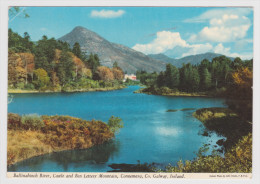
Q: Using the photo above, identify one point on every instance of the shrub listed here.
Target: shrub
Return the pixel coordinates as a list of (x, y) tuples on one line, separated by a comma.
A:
[(115, 123), (29, 86), (20, 85), (14, 121), (32, 121)]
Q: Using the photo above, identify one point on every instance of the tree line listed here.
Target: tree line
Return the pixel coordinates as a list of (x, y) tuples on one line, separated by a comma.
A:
[(196, 78), (50, 64)]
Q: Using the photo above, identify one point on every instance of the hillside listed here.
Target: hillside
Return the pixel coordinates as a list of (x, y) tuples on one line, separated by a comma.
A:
[(193, 59), (128, 59)]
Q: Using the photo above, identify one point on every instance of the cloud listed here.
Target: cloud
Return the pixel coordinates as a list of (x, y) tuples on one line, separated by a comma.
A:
[(217, 13), (220, 49), (198, 49), (168, 42), (164, 41), (107, 13), (225, 25)]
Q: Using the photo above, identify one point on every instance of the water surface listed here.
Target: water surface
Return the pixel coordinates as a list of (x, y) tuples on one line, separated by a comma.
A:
[(150, 133)]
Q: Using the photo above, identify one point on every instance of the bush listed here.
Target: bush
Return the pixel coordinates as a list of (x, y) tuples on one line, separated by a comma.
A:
[(32, 121), (29, 86), (14, 121), (74, 133), (115, 123), (20, 85)]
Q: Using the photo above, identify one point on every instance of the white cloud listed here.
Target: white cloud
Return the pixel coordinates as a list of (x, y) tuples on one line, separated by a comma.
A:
[(225, 25), (164, 41), (198, 49), (217, 13), (220, 49), (107, 13)]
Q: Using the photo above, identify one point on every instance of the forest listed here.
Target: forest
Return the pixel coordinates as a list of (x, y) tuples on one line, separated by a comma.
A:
[(51, 65)]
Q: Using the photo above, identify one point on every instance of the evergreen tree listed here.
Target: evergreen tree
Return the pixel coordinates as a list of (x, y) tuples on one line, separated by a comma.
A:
[(76, 50), (93, 62), (172, 76), (160, 80), (205, 81)]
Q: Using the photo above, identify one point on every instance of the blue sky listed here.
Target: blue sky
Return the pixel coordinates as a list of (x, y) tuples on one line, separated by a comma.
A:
[(174, 31)]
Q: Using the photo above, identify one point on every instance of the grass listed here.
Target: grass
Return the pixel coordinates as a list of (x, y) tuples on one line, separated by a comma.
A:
[(25, 144), (74, 90)]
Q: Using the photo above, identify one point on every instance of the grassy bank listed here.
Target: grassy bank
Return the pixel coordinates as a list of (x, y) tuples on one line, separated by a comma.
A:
[(165, 91), (33, 135), (67, 91)]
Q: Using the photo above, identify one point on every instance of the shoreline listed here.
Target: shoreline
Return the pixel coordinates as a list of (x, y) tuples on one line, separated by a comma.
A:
[(50, 151), (20, 91), (176, 94)]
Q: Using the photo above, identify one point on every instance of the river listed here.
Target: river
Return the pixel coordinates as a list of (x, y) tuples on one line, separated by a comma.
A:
[(150, 133)]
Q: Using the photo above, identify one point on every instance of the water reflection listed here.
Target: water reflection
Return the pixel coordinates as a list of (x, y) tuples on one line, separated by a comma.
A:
[(99, 154)]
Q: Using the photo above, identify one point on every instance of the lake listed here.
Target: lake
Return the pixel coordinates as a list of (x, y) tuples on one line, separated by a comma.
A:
[(150, 133)]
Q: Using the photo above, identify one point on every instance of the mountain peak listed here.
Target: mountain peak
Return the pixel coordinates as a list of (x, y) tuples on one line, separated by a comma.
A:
[(80, 29), (128, 59)]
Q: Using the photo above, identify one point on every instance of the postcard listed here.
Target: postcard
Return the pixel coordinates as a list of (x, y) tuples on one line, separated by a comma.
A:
[(127, 91)]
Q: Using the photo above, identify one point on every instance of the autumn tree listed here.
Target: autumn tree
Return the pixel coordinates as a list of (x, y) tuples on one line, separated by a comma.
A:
[(41, 78), (28, 63), (105, 73), (240, 93), (118, 74)]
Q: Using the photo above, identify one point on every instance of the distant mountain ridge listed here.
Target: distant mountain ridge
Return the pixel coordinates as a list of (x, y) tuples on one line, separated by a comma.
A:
[(192, 59), (128, 59)]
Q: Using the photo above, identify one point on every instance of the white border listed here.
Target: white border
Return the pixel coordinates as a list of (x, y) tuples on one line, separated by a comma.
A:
[(3, 82)]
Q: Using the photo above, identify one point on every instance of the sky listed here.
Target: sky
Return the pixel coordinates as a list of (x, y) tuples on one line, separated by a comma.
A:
[(174, 31)]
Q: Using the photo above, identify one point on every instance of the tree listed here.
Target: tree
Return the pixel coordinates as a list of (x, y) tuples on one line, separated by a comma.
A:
[(105, 73), (115, 123), (16, 11), (41, 78), (240, 93), (93, 62), (115, 65), (189, 77), (160, 80), (76, 50), (118, 74), (237, 63), (205, 81), (172, 76), (65, 67)]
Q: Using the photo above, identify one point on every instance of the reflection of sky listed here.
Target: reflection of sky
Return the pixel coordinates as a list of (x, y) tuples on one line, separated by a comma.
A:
[(150, 134)]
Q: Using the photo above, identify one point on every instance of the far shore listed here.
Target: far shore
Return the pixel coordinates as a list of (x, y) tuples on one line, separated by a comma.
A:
[(16, 91), (177, 94)]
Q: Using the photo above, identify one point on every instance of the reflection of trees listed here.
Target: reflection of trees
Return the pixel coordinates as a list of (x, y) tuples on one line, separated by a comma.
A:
[(98, 154)]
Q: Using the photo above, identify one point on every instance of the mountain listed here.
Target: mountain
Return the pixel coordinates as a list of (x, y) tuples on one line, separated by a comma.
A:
[(128, 59), (193, 59)]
